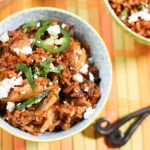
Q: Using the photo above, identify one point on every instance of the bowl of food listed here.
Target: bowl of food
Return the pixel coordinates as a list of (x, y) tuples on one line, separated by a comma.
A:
[(132, 16), (55, 74)]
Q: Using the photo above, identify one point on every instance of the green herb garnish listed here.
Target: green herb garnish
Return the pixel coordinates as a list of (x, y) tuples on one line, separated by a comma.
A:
[(34, 100), (124, 15), (26, 69), (47, 66), (57, 70)]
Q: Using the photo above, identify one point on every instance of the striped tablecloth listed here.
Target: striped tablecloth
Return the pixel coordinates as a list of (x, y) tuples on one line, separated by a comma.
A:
[(131, 78)]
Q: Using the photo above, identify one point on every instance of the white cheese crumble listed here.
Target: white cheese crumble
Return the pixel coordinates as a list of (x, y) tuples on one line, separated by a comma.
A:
[(78, 77), (31, 40), (38, 25), (26, 50), (4, 37), (18, 81), (54, 30), (7, 84), (45, 87), (17, 50), (20, 73), (50, 83), (59, 89), (141, 14), (43, 59), (79, 52), (10, 106), (91, 76), (89, 112), (35, 76), (56, 81), (84, 69), (86, 89), (23, 92), (63, 25), (52, 67)]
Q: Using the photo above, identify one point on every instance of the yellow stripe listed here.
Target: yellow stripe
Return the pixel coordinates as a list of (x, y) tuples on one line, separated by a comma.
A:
[(7, 141), (121, 78), (83, 9), (133, 90), (43, 146), (55, 145), (31, 145), (144, 81)]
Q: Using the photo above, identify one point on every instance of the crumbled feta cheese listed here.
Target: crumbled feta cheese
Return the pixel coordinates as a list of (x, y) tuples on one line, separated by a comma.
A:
[(54, 30), (141, 14), (18, 81), (43, 59), (17, 50), (79, 52), (31, 40), (35, 76), (59, 89), (50, 83), (63, 25), (38, 25), (78, 77), (45, 87), (86, 89), (64, 102), (84, 69), (89, 112), (10, 106), (26, 50), (52, 67), (91, 76), (23, 92), (20, 73), (4, 37), (56, 81), (7, 84)]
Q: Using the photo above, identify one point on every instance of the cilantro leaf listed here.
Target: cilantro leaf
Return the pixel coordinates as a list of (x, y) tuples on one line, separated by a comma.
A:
[(28, 73)]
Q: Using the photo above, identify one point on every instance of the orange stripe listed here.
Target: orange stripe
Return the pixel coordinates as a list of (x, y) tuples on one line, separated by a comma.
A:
[(19, 144), (60, 4), (66, 144), (106, 27), (7, 141), (106, 33)]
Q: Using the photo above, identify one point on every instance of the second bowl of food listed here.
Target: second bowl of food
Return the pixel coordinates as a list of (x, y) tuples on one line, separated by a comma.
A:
[(133, 16), (55, 74)]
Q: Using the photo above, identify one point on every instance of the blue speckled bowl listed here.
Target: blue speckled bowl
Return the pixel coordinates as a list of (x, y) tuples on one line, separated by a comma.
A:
[(99, 53)]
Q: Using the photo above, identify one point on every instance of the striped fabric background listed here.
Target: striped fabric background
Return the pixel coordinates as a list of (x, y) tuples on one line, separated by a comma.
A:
[(131, 78)]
